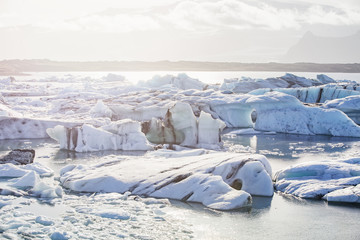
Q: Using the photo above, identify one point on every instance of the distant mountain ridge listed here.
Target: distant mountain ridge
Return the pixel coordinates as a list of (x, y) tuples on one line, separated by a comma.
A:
[(317, 49), (19, 67)]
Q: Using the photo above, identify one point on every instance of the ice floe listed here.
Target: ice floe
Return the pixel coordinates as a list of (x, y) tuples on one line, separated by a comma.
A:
[(218, 180), (332, 180)]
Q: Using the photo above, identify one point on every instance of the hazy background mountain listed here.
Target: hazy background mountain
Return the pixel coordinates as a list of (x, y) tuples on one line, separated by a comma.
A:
[(312, 48)]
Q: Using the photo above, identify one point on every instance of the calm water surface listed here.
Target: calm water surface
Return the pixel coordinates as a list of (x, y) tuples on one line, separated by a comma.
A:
[(280, 217)]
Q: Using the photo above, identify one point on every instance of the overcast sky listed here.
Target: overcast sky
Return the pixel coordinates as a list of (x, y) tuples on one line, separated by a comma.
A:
[(208, 30)]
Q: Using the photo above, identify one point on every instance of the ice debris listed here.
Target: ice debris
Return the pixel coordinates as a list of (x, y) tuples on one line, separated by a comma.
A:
[(27, 180)]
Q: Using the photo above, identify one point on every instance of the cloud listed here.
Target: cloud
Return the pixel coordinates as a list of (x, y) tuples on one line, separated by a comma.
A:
[(205, 15), (190, 15)]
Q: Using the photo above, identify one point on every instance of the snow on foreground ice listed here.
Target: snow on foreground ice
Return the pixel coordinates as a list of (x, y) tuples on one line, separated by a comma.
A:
[(217, 180), (28, 180), (99, 216), (332, 180)]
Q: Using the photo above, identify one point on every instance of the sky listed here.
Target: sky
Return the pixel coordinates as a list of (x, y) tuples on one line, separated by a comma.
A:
[(154, 30)]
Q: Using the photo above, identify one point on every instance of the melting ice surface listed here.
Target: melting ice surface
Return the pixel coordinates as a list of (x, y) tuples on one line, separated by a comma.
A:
[(120, 215)]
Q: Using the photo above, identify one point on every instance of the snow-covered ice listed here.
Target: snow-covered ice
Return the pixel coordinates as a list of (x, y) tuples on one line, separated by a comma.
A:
[(218, 180)]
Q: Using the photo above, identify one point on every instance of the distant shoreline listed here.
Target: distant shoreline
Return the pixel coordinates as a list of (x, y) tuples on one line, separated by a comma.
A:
[(20, 67)]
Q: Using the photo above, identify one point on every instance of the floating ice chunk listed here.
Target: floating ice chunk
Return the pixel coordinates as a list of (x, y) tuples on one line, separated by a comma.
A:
[(40, 169), (9, 170), (101, 110), (335, 180), (88, 138), (29, 180), (60, 236), (217, 180), (114, 214), (182, 119), (325, 79), (209, 129), (44, 221), (111, 77), (181, 81)]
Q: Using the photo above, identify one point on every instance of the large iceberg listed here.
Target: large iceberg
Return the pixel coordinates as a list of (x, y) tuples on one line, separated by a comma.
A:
[(280, 112), (120, 135), (218, 180), (332, 180)]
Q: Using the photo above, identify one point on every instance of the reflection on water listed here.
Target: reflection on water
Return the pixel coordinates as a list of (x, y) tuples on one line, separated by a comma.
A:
[(283, 150)]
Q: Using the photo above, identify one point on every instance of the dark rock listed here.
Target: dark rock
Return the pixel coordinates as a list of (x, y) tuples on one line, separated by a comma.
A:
[(19, 157)]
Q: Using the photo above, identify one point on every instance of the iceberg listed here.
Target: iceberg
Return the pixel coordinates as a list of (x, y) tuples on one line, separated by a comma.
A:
[(349, 105), (332, 180), (181, 81), (120, 135), (318, 94), (15, 128), (280, 112), (217, 180), (245, 85), (180, 126)]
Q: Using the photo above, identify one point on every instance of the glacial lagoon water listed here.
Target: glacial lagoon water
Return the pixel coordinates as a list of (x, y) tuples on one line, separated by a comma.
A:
[(278, 217)]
